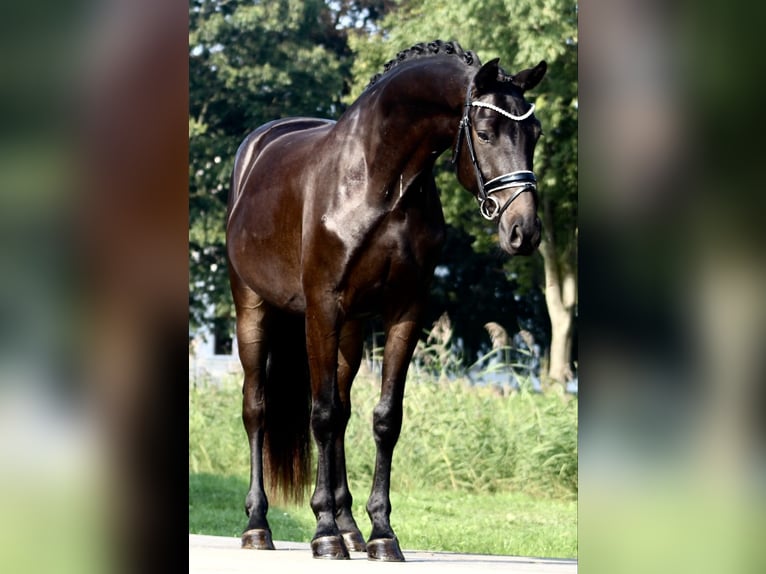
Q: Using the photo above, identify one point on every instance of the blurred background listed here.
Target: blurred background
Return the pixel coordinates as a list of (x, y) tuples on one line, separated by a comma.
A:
[(672, 282), (100, 216), (94, 285)]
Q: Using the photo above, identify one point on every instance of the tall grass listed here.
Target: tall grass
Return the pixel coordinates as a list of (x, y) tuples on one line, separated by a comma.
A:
[(455, 436), (474, 439)]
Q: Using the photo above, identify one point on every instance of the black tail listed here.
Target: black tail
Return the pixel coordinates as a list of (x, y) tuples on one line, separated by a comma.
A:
[(287, 438)]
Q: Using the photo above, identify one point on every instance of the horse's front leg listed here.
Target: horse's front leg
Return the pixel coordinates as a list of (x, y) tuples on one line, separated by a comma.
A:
[(401, 338), (326, 424), (349, 358)]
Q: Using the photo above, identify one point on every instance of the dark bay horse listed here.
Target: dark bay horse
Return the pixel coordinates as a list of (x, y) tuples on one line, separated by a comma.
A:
[(331, 222)]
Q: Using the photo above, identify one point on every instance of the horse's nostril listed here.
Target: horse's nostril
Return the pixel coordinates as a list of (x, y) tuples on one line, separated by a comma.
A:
[(516, 236)]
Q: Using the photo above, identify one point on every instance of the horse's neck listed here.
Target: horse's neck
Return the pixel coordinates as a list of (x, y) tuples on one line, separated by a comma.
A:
[(413, 117)]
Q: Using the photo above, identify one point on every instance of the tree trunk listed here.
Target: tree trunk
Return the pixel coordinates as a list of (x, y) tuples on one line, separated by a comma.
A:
[(559, 367), (560, 297)]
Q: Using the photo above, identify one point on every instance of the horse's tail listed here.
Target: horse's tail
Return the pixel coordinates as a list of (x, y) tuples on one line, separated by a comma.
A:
[(287, 446)]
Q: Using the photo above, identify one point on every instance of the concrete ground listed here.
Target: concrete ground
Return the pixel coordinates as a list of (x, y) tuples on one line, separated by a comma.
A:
[(218, 554)]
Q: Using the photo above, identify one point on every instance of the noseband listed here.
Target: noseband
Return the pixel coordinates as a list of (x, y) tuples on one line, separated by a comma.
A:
[(524, 180)]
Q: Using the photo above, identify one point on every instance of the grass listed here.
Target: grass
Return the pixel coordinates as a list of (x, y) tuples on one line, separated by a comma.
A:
[(475, 470), (496, 523)]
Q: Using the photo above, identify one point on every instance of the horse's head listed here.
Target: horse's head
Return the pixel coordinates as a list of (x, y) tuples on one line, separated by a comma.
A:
[(494, 150)]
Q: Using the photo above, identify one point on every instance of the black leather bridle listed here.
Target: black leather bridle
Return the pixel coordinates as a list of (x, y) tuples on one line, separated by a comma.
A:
[(524, 180)]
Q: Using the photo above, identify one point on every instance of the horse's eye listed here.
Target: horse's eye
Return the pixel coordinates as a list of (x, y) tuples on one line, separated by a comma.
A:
[(483, 136)]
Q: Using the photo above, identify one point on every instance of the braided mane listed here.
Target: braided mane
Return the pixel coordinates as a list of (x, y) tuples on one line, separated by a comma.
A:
[(423, 50)]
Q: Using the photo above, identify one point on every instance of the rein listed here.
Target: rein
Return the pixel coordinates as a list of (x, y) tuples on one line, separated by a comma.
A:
[(525, 180)]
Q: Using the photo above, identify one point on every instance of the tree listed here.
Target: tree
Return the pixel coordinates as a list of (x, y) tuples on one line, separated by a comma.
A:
[(521, 33)]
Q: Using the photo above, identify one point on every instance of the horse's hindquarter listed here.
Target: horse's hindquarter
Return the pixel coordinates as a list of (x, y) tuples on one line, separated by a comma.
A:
[(269, 187)]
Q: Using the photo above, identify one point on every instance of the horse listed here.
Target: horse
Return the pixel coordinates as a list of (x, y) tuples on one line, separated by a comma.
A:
[(331, 222)]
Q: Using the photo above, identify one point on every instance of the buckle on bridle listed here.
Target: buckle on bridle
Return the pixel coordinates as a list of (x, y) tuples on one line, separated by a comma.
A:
[(493, 210)]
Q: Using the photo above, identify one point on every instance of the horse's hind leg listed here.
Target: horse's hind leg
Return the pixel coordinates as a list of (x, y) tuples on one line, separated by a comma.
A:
[(252, 315), (349, 357)]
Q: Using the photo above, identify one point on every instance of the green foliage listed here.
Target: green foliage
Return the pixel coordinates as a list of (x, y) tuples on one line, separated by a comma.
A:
[(216, 431), (472, 439), (455, 437)]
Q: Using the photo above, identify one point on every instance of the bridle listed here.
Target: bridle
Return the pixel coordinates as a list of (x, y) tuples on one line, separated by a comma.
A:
[(524, 180)]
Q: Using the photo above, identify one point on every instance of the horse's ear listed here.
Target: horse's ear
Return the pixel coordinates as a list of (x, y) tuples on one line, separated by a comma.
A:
[(486, 78), (528, 79)]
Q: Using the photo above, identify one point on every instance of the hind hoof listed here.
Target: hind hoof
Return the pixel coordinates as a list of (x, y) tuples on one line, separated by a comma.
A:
[(329, 547), (354, 541), (257, 539), (384, 550)]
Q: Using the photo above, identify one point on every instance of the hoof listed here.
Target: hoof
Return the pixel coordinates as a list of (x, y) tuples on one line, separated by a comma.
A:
[(354, 541), (258, 539), (385, 550), (329, 547)]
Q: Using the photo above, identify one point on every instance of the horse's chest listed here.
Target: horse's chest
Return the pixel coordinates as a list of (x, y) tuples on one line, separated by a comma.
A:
[(395, 263)]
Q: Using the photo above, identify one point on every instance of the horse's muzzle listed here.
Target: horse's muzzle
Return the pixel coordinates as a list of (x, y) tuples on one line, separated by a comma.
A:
[(521, 236)]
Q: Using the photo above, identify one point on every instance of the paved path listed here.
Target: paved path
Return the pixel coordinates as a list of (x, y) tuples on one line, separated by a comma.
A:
[(218, 554)]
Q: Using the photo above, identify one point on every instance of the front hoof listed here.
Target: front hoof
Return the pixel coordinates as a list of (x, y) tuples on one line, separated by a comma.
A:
[(257, 539), (329, 547), (384, 550), (354, 541)]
